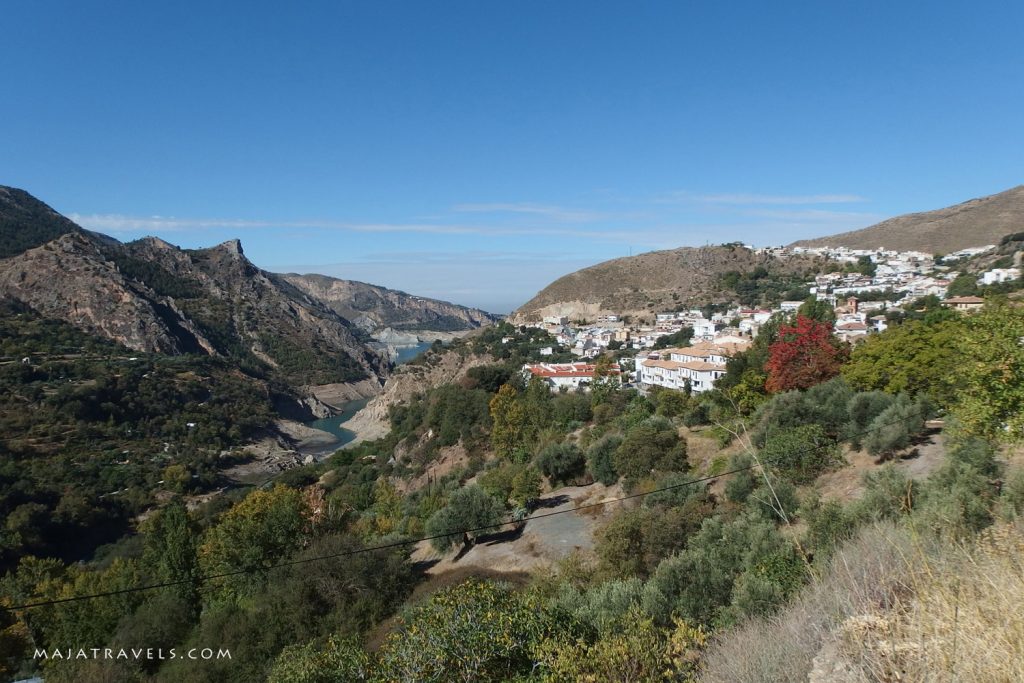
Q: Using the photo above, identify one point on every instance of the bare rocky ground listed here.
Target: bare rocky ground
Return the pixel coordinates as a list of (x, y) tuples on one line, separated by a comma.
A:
[(408, 380), (917, 463), (294, 444)]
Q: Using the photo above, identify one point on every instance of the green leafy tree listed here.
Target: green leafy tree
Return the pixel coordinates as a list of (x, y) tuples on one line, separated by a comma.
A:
[(170, 552), (895, 427), (728, 569), (468, 508), (651, 446), (814, 309), (914, 358), (963, 284), (476, 631), (561, 463), (601, 459), (263, 528), (990, 401), (606, 382), (509, 421), (526, 486), (800, 453), (334, 660)]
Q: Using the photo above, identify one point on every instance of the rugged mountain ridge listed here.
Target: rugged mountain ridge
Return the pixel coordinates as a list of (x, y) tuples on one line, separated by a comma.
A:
[(374, 308), (655, 281), (151, 296), (974, 223)]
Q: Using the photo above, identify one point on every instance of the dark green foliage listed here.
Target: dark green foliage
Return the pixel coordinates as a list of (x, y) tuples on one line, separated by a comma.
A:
[(760, 286), (523, 345), (476, 631), (90, 429), (322, 662), (800, 453), (863, 408), (25, 222), (468, 508), (298, 603), (154, 276), (676, 339), (821, 311), (729, 569), (651, 446), (513, 483), (561, 463), (634, 542), (979, 454), (739, 486), (488, 377), (828, 524), (313, 364), (888, 494), (896, 427), (601, 459), (956, 501), (170, 554), (963, 285), (454, 413), (826, 405)]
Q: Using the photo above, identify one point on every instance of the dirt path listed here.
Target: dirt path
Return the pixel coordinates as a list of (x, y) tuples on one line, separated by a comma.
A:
[(543, 541)]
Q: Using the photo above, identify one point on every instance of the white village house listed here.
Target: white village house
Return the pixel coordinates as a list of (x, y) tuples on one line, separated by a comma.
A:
[(697, 367), (568, 375)]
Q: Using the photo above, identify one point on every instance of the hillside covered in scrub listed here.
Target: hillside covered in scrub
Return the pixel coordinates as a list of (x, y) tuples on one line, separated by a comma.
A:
[(790, 525)]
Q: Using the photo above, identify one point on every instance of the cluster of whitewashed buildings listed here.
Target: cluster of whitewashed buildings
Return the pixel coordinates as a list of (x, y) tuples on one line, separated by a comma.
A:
[(693, 369), (717, 337)]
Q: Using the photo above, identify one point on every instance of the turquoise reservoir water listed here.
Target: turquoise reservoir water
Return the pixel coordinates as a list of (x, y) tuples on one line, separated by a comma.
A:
[(336, 425), (407, 353)]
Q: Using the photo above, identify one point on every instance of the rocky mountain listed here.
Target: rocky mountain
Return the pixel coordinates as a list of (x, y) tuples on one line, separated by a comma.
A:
[(152, 296), (374, 308), (658, 281), (25, 222), (973, 223)]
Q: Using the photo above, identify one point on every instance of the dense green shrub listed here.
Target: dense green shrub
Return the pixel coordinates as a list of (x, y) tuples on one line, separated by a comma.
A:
[(468, 508), (561, 463), (651, 446), (601, 459)]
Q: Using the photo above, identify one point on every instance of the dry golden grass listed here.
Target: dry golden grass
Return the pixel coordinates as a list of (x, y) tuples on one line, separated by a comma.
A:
[(964, 620), (892, 606)]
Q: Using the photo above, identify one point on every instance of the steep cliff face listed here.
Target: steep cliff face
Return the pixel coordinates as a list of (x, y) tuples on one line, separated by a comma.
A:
[(372, 422), (70, 279), (151, 296), (373, 308)]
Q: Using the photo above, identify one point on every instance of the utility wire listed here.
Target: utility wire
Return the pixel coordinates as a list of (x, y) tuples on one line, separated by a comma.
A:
[(414, 541)]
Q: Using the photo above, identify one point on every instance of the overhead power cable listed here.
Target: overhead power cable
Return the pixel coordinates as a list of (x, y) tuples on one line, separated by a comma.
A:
[(413, 541)]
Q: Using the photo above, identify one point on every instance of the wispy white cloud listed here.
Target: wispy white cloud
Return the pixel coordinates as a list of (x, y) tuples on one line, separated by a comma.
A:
[(557, 213), (814, 215), (118, 223), (764, 199)]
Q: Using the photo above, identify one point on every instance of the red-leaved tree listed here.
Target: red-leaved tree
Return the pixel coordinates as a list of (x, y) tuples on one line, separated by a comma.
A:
[(805, 354)]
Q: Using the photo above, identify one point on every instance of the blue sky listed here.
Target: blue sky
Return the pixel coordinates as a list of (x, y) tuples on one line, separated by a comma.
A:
[(474, 151)]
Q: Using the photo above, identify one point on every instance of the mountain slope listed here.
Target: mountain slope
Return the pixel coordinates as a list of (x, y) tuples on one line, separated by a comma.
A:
[(151, 296), (26, 222), (372, 307), (973, 223), (656, 281)]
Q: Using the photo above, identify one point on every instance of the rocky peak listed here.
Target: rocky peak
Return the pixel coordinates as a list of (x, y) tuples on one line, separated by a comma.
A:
[(233, 247)]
